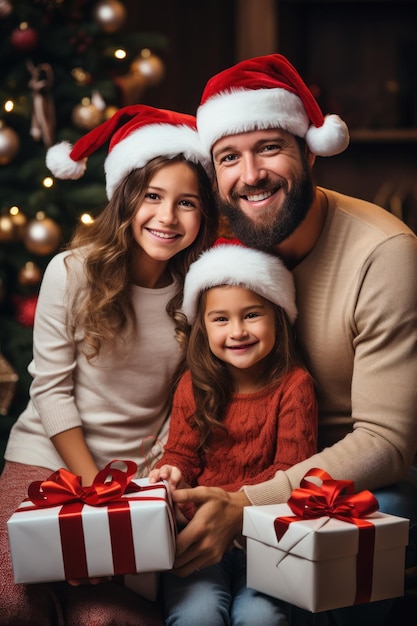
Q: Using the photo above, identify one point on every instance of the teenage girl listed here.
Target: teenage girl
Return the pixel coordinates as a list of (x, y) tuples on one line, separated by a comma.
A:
[(105, 352)]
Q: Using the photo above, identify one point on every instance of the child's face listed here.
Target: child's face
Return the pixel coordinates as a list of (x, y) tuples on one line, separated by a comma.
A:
[(240, 326), (169, 218)]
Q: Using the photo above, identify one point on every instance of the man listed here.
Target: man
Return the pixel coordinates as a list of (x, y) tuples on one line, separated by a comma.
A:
[(354, 266)]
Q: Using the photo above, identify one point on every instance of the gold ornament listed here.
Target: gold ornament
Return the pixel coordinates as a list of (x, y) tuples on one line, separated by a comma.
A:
[(131, 85), (5, 8), (110, 15), (149, 66), (19, 221), (29, 274), (9, 143), (86, 115), (43, 235), (80, 76), (109, 111), (7, 229)]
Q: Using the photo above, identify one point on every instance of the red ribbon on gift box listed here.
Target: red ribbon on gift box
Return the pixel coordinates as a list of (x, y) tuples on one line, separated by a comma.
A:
[(63, 487), (110, 484), (337, 499)]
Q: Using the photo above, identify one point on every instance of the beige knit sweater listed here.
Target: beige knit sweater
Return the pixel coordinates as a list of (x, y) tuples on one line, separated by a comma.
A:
[(357, 301), (120, 400)]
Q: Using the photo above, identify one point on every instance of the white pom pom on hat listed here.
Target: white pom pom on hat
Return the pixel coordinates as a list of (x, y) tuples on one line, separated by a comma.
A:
[(136, 134), (267, 92), (229, 262)]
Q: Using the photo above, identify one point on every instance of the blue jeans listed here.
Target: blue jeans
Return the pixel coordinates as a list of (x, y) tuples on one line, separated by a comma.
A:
[(399, 499), (218, 596)]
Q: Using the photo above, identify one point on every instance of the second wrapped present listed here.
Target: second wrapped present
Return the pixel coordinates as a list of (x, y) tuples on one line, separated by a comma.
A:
[(331, 558)]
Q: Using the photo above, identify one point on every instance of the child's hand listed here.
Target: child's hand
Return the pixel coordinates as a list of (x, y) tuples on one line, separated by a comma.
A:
[(170, 473)]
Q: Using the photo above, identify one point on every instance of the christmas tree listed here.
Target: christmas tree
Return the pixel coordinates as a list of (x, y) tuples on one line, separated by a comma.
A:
[(66, 66)]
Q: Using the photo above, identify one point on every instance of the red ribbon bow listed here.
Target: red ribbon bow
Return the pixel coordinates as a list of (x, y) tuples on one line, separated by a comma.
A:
[(63, 487), (337, 499)]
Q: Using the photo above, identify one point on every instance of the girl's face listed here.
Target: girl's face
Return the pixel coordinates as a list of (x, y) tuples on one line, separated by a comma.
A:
[(168, 220), (240, 328)]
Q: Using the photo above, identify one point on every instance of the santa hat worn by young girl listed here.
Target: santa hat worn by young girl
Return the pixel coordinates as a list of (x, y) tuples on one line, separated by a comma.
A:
[(267, 92), (229, 262), (137, 133)]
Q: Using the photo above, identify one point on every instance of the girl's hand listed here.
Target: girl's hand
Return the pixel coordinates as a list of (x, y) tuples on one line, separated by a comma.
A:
[(170, 473)]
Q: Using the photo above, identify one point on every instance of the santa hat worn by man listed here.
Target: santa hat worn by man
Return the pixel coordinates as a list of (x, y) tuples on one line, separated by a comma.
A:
[(136, 133), (229, 262), (267, 92)]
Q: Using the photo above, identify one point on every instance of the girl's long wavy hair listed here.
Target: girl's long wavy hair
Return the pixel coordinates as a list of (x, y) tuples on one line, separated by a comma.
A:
[(105, 308), (212, 383)]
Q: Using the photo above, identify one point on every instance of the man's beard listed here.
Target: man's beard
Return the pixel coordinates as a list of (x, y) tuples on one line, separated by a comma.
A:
[(268, 230)]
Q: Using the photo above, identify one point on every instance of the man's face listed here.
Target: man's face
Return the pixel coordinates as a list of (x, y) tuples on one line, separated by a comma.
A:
[(264, 185)]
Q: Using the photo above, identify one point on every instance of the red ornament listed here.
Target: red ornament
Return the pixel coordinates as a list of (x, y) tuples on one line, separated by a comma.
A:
[(24, 38), (25, 310)]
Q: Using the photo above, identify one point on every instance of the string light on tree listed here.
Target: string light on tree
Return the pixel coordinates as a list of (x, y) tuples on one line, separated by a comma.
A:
[(48, 182), (120, 54), (86, 219), (9, 106)]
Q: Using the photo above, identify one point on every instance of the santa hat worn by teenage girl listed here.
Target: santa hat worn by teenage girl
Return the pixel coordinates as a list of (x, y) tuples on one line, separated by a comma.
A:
[(267, 92), (229, 262), (137, 133)]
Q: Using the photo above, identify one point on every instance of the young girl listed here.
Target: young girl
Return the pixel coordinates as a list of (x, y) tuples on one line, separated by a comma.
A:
[(245, 409), (105, 351)]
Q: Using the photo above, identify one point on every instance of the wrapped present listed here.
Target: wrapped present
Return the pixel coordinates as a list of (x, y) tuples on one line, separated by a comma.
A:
[(116, 526), (327, 548)]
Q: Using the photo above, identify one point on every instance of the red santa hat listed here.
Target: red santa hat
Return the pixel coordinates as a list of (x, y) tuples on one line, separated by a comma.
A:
[(267, 92), (229, 262), (137, 134)]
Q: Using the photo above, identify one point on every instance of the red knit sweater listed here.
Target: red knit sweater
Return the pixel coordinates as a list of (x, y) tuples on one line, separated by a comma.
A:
[(269, 430)]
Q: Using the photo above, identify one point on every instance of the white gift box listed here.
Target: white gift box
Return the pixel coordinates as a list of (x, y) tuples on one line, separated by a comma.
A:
[(134, 534), (315, 563)]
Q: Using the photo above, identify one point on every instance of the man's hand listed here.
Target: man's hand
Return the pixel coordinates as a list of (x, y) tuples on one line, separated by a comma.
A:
[(210, 533)]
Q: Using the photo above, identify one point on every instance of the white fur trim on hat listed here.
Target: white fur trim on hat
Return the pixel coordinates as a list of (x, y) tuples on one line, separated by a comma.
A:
[(329, 139), (244, 110), (230, 264), (148, 142), (59, 162)]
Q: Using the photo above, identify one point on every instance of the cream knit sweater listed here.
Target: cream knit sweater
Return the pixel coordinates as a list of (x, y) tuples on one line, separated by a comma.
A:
[(357, 302), (120, 400)]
